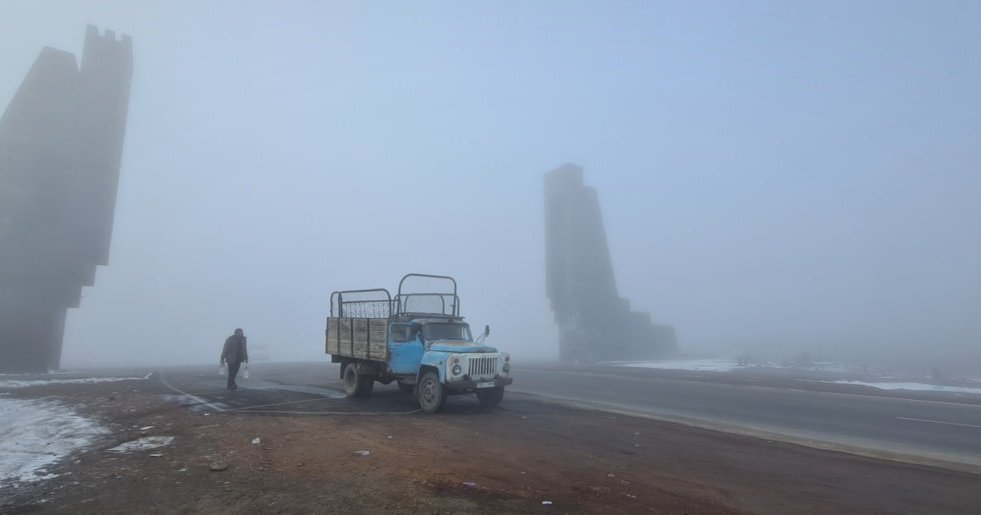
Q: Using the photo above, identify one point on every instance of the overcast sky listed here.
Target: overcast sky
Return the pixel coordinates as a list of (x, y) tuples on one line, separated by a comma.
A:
[(774, 176)]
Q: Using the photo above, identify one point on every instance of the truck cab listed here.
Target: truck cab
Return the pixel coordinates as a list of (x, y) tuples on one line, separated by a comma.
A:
[(418, 339)]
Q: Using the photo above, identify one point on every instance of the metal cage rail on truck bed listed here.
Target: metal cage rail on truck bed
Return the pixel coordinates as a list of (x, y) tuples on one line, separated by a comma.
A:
[(370, 307), (403, 300), (357, 325)]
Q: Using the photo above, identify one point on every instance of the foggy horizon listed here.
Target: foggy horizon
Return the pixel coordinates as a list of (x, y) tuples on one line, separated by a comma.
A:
[(773, 179)]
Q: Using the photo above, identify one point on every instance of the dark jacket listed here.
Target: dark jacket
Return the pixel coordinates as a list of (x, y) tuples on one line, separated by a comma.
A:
[(234, 351)]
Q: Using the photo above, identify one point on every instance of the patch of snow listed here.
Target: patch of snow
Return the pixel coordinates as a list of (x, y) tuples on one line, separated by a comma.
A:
[(915, 386), (37, 433), (726, 365), (713, 365), (25, 383), (143, 444), (23, 374), (828, 366)]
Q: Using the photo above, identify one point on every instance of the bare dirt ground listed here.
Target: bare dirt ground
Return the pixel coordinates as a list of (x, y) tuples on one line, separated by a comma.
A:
[(469, 459)]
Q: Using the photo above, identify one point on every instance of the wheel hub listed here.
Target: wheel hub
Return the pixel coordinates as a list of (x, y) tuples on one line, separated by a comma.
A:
[(429, 393)]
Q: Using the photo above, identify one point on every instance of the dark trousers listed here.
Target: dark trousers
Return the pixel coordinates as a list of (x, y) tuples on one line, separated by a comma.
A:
[(232, 372)]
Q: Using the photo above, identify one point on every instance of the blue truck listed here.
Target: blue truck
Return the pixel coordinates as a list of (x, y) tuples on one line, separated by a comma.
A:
[(416, 338)]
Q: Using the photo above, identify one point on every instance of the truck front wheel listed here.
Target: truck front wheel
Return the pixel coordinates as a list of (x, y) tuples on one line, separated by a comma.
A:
[(432, 395), (490, 397), (355, 383)]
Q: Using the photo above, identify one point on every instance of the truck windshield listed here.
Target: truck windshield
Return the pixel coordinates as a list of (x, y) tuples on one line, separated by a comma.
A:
[(447, 332)]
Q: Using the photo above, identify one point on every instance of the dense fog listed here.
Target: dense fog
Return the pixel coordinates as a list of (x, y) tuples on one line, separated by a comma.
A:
[(775, 178)]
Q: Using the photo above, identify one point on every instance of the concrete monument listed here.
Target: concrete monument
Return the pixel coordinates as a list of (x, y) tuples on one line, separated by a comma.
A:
[(595, 324), (61, 143)]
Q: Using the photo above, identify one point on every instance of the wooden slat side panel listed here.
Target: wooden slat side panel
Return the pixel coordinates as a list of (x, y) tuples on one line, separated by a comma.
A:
[(379, 330), (364, 338), (344, 337), (379, 352), (360, 337), (379, 339), (332, 336)]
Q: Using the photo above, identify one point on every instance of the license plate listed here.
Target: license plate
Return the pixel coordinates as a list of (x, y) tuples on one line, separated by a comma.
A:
[(488, 384)]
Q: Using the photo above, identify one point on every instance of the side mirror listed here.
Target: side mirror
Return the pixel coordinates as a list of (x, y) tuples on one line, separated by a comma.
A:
[(486, 331)]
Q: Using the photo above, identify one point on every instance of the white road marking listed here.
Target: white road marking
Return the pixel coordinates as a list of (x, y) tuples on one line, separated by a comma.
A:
[(279, 404), (938, 422), (278, 412), (195, 397)]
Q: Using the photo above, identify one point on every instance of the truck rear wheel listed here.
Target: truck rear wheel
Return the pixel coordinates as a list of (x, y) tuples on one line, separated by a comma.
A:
[(355, 383), (490, 397), (432, 395)]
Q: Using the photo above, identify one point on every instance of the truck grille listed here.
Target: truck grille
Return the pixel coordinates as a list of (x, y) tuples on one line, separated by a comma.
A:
[(483, 366)]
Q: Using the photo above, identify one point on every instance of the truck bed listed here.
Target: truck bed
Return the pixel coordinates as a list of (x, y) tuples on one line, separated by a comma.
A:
[(361, 338)]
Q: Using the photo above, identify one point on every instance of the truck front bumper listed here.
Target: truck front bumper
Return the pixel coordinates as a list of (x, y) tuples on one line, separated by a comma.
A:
[(468, 385)]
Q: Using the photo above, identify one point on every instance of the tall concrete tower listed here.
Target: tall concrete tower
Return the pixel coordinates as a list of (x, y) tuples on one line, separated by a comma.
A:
[(61, 144), (594, 322)]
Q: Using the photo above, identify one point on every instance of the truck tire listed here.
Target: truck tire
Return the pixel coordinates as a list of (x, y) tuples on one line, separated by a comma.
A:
[(432, 395), (490, 397), (406, 387), (367, 385), (355, 383)]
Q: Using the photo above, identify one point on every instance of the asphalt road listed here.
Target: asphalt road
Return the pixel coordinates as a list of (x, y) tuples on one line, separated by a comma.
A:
[(940, 430), (287, 440)]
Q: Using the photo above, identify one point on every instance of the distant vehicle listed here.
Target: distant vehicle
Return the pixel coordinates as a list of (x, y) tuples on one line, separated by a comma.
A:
[(418, 339)]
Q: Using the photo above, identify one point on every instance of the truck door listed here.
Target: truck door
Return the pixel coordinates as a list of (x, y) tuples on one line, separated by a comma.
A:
[(405, 348)]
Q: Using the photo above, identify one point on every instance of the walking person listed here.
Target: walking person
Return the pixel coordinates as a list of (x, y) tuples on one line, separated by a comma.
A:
[(234, 353)]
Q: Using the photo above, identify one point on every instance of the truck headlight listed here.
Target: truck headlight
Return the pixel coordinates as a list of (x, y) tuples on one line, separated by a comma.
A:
[(457, 370)]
